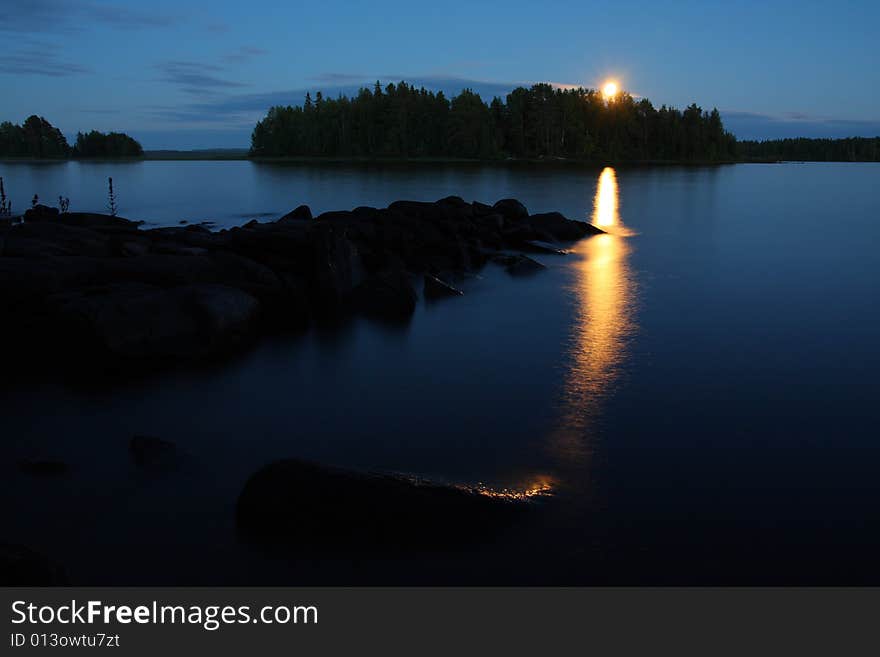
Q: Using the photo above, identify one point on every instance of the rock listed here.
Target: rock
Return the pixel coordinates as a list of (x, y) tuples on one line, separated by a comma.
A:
[(481, 209), (439, 212), (152, 452), (135, 321), (338, 217), (561, 228), (96, 220), (544, 247), (300, 213), (21, 566), (455, 201), (41, 213), (315, 506), (335, 269), (437, 289), (511, 209), (134, 247), (47, 238), (492, 221), (521, 265), (86, 284), (387, 295), (42, 467)]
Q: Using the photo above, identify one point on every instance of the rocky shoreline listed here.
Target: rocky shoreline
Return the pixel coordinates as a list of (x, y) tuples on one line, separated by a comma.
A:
[(102, 288), (104, 293)]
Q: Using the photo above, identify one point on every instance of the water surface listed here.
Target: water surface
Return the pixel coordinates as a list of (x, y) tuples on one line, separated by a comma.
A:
[(699, 385)]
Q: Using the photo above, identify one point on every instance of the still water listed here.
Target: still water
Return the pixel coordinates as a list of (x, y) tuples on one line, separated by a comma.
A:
[(698, 388)]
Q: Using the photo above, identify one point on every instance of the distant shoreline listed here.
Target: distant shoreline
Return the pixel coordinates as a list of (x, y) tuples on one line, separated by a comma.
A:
[(202, 156)]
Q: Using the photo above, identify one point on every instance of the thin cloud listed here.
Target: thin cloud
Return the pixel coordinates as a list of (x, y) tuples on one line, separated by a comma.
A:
[(754, 125), (244, 54), (195, 78), (39, 59), (65, 16), (237, 109), (339, 78)]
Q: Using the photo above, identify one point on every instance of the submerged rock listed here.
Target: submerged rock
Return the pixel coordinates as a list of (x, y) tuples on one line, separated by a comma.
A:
[(315, 506), (21, 566), (136, 321), (152, 452), (387, 295), (520, 265), (43, 467)]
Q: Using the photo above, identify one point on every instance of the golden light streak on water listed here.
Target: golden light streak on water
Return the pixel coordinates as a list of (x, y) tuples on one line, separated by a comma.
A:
[(604, 292), (605, 202)]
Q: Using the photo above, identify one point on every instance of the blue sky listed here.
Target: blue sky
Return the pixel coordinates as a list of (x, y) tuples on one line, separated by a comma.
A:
[(198, 74)]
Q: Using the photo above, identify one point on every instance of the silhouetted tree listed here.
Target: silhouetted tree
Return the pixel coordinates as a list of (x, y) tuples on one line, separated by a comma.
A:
[(539, 122), (36, 138), (853, 149), (109, 145)]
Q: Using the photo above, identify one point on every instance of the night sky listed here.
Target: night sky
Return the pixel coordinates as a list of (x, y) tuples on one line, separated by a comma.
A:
[(198, 74)]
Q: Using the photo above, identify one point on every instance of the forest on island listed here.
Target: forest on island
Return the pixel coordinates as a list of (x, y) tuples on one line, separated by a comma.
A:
[(37, 138), (539, 122), (853, 149)]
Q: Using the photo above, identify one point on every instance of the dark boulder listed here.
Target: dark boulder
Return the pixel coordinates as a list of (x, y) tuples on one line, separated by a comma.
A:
[(21, 566), (340, 217), (301, 213), (456, 201), (492, 221), (41, 213), (480, 209), (135, 321), (315, 506), (543, 247), (98, 221), (387, 295), (336, 268), (43, 467), (438, 289), (511, 209), (520, 265), (49, 238), (561, 228), (149, 452)]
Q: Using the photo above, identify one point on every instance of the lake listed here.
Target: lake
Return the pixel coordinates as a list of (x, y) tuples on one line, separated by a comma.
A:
[(698, 388)]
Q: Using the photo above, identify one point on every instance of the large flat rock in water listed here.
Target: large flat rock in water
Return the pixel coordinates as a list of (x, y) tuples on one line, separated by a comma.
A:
[(311, 505)]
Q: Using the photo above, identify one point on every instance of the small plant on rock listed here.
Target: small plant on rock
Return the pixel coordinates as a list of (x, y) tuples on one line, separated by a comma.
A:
[(63, 204), (5, 203), (111, 199), (35, 201)]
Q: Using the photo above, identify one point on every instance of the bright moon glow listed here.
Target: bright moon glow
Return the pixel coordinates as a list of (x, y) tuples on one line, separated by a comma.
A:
[(609, 90), (605, 203)]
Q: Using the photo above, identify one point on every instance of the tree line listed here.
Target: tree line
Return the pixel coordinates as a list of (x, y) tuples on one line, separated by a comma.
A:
[(539, 122), (852, 149), (37, 138)]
